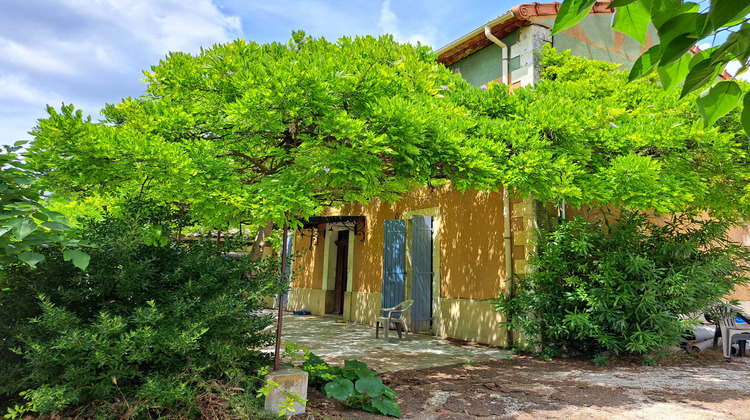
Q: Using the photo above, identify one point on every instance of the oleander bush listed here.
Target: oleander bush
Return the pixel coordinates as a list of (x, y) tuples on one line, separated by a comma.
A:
[(621, 288), (142, 332)]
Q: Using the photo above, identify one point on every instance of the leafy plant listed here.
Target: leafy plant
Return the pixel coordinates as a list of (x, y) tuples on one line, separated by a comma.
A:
[(354, 384), (140, 331), (622, 287)]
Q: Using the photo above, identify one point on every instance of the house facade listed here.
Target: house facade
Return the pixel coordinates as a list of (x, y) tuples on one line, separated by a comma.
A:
[(450, 252)]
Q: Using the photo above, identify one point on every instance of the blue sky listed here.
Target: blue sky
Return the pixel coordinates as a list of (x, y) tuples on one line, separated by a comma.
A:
[(89, 53)]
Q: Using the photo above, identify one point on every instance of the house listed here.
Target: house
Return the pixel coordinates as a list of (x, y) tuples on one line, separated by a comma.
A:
[(449, 251)]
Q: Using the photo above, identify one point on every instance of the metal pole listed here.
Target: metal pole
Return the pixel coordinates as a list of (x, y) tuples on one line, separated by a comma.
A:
[(277, 354)]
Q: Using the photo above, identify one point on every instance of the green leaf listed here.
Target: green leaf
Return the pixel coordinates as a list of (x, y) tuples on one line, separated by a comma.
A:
[(387, 407), (632, 20), (31, 258), (340, 389), (676, 48), (645, 63), (571, 12), (23, 181), (56, 226), (682, 24), (663, 10), (746, 114), (718, 100), (80, 258), (727, 11), (26, 227), (372, 387), (700, 74), (672, 75), (620, 3)]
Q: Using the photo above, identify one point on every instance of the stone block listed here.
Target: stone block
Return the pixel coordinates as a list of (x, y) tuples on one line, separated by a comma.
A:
[(289, 380)]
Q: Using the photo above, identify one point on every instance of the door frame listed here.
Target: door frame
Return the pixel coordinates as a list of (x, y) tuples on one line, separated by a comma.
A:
[(329, 264), (434, 213)]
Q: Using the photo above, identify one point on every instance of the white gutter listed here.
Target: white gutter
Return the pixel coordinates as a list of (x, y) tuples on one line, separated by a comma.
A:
[(504, 47)]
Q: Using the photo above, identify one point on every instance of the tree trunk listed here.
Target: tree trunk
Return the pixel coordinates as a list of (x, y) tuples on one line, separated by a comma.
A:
[(259, 242)]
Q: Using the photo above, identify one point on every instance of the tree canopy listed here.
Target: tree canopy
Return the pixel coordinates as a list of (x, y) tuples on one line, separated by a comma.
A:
[(25, 221), (247, 132), (244, 132), (681, 25)]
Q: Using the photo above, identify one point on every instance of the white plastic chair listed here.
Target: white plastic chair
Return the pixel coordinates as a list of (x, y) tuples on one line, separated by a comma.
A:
[(731, 331), (398, 316)]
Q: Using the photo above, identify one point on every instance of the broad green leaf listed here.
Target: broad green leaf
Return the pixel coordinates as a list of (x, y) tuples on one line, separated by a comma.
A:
[(672, 75), (683, 24), (3, 187), (663, 10), (746, 114), (727, 11), (620, 3), (718, 100), (56, 226), (632, 20), (675, 49), (645, 63), (700, 74), (31, 258), (738, 44), (571, 12), (80, 258), (340, 389), (40, 239), (372, 387), (23, 181), (387, 407), (26, 227)]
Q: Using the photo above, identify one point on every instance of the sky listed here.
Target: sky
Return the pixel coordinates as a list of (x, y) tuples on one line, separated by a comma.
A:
[(92, 52)]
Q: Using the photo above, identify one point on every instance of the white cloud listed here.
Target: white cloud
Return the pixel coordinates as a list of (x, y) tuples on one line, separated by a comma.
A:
[(92, 52), (389, 23), (14, 89)]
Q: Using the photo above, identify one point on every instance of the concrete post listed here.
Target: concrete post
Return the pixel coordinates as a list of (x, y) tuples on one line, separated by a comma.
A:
[(289, 380)]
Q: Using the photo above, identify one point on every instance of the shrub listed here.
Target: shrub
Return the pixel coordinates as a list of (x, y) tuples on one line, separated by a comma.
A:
[(143, 329), (354, 384), (622, 288)]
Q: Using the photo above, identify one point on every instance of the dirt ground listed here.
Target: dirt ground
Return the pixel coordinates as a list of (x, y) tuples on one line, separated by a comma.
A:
[(685, 387)]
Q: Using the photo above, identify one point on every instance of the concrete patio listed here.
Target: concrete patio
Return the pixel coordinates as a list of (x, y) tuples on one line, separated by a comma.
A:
[(336, 341)]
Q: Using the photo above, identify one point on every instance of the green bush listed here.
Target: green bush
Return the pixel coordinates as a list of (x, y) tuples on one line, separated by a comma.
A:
[(142, 330), (355, 385), (621, 289)]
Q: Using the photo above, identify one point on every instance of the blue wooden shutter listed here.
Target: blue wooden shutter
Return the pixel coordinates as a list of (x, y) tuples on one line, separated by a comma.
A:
[(394, 260), (421, 276)]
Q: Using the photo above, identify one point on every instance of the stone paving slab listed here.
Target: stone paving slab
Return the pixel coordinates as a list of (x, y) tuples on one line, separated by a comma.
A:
[(336, 341)]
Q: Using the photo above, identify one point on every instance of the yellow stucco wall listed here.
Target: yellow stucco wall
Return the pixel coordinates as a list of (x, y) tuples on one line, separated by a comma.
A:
[(472, 259), (741, 235), (307, 266)]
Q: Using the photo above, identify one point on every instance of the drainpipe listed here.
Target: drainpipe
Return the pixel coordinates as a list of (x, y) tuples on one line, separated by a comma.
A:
[(504, 48), (507, 234)]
